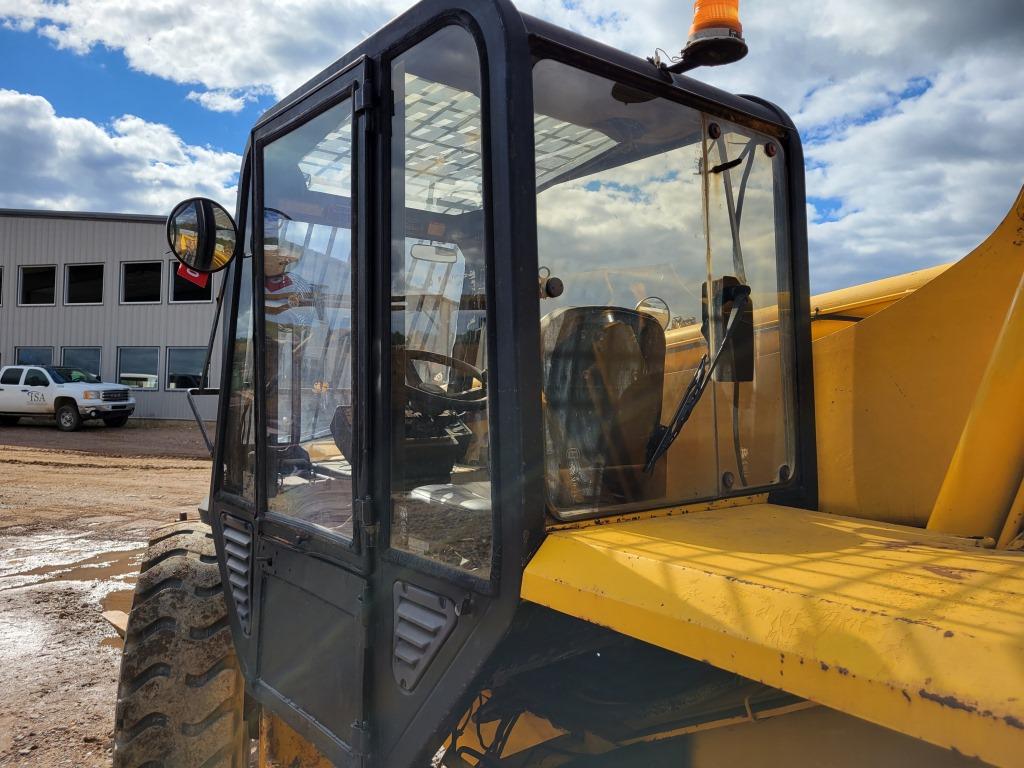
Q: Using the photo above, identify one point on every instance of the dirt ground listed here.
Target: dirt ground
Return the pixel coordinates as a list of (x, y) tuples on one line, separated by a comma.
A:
[(75, 513)]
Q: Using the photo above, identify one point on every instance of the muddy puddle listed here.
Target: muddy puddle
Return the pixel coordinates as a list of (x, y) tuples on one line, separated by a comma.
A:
[(106, 565), (74, 518), (106, 569)]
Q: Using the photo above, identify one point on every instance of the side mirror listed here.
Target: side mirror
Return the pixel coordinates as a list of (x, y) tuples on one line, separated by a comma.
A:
[(655, 307), (438, 254), (202, 235)]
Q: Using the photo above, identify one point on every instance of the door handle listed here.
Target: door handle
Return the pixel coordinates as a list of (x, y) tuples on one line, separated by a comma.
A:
[(24, 390)]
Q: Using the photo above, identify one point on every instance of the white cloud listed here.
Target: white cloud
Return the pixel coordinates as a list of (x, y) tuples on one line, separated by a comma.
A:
[(224, 99), (915, 180), (130, 166), (263, 44)]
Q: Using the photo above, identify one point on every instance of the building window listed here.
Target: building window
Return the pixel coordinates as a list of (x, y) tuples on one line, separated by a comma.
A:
[(86, 358), (137, 367), (83, 284), (34, 356), (184, 367), (140, 282), (185, 291), (38, 286)]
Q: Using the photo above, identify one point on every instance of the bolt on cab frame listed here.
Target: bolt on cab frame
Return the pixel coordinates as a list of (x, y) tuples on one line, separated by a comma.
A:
[(493, 278)]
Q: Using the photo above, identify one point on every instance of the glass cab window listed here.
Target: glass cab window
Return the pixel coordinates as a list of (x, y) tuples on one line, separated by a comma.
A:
[(440, 460), (240, 431), (308, 313), (665, 353)]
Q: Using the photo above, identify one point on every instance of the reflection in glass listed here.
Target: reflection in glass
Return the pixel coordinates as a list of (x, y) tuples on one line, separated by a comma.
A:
[(441, 490), (185, 367), (86, 358), (34, 356), (202, 234), (746, 226), (308, 309), (240, 432), (624, 225), (137, 367)]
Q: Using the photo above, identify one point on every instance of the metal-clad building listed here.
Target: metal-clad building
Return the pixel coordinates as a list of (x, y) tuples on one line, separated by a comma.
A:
[(100, 291)]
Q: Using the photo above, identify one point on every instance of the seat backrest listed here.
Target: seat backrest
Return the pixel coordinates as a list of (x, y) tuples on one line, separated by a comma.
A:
[(604, 370)]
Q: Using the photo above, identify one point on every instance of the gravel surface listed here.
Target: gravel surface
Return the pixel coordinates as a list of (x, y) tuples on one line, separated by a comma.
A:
[(76, 510)]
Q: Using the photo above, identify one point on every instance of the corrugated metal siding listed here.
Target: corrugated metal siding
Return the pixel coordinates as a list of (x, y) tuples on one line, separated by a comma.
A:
[(28, 240)]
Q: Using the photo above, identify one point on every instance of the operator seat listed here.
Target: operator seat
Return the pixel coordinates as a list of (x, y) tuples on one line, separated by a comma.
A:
[(604, 371)]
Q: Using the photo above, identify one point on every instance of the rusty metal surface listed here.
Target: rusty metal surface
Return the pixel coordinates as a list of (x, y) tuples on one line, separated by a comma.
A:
[(916, 631)]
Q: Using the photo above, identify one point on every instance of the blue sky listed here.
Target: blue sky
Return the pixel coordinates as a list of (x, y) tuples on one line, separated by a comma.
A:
[(101, 85), (911, 115)]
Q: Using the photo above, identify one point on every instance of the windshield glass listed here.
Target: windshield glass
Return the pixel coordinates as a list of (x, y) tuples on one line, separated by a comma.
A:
[(62, 375), (657, 220)]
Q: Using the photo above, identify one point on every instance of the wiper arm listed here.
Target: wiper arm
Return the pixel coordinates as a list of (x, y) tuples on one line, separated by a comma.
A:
[(695, 389)]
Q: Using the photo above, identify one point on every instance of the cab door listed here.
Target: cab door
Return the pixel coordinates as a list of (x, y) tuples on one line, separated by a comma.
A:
[(36, 392), (311, 555), (10, 390), (372, 528), (457, 447)]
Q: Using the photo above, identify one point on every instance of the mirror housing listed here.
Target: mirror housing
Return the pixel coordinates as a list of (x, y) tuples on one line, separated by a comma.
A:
[(202, 235)]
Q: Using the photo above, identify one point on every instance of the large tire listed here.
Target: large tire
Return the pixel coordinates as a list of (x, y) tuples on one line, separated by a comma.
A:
[(115, 421), (68, 418), (180, 696), (9, 421)]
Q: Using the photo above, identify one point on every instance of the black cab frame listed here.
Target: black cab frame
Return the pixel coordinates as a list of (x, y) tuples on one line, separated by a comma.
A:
[(368, 649)]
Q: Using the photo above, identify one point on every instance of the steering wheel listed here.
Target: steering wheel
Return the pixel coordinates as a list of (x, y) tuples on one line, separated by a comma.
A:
[(436, 399)]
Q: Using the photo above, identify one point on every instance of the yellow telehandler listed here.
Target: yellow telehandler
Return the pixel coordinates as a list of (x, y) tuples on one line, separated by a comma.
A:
[(534, 451)]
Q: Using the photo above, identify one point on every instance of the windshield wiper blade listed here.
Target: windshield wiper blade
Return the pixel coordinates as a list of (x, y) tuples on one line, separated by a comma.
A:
[(699, 382)]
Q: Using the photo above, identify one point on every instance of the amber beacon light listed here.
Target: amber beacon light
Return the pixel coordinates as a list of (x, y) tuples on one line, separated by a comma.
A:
[(716, 35)]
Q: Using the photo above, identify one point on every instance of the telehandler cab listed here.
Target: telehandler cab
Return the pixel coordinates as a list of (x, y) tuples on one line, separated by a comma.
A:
[(525, 457)]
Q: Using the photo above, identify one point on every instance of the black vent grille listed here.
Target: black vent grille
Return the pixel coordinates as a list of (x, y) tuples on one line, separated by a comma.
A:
[(115, 395), (423, 621), (238, 551)]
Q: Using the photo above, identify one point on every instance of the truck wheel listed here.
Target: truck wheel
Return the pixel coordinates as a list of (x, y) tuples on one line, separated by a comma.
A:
[(68, 419), (180, 696), (116, 421), (9, 421)]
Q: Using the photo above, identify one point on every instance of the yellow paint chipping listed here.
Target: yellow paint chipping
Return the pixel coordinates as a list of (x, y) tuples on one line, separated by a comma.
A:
[(920, 632)]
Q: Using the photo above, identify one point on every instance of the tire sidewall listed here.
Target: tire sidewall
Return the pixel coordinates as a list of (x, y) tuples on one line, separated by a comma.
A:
[(68, 418)]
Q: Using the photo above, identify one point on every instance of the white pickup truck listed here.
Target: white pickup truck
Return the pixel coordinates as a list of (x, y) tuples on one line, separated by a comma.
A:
[(70, 395)]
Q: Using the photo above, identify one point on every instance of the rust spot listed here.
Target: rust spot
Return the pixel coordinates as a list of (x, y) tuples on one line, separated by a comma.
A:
[(894, 545), (906, 695), (956, 574), (948, 633), (824, 667), (947, 701), (1013, 722)]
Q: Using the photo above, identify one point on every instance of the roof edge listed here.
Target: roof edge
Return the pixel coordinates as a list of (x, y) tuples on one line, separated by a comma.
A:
[(28, 213)]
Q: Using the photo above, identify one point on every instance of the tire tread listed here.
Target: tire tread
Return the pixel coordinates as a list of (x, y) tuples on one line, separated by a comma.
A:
[(180, 696)]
